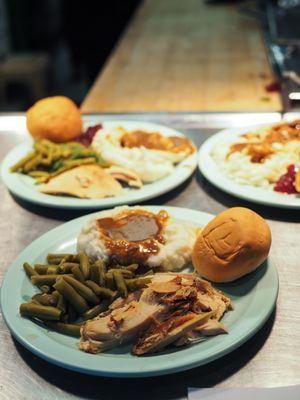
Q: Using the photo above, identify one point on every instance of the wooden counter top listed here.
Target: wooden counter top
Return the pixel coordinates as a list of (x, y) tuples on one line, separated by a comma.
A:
[(186, 56)]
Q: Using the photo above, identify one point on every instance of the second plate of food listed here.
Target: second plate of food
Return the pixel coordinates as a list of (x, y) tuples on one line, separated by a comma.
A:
[(128, 162), (258, 163), (175, 300)]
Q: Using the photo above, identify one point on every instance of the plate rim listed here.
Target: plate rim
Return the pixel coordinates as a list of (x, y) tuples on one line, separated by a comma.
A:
[(211, 171), (168, 369), (186, 168)]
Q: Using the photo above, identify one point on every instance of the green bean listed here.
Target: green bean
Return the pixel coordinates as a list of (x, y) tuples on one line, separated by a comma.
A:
[(54, 261), (80, 161), (95, 311), (84, 265), (69, 293), (72, 314), (95, 273), (126, 274), (64, 153), (60, 170), (33, 301), (120, 283), (29, 270), (56, 295), (101, 265), (74, 258), (39, 311), (32, 163), (44, 269), (137, 283), (39, 174), (76, 271), (16, 167), (47, 143), (40, 148), (69, 164), (83, 290), (53, 269), (66, 329), (61, 303), (48, 160), (45, 279), (100, 291), (148, 273), (67, 266), (53, 258), (45, 289), (41, 269), (45, 299), (102, 271), (59, 255), (109, 281), (41, 179), (132, 267)]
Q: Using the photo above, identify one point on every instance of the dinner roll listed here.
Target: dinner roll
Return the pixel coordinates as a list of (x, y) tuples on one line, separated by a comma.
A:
[(231, 245), (54, 118)]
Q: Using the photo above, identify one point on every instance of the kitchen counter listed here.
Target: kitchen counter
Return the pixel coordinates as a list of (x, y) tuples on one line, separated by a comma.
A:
[(186, 56)]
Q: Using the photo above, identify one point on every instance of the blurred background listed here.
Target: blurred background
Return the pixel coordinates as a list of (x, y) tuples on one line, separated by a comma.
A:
[(55, 46), (172, 57)]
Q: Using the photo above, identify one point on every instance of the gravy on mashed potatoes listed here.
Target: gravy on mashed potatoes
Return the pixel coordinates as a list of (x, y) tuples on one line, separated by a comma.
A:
[(137, 235)]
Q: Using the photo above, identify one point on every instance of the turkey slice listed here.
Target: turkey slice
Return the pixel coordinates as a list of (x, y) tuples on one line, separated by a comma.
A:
[(86, 181)]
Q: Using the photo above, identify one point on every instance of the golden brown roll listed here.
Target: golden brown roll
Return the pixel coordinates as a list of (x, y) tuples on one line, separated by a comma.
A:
[(231, 245), (54, 118)]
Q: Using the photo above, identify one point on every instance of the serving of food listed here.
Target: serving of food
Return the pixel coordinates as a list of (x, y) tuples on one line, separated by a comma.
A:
[(99, 165), (135, 281), (261, 164)]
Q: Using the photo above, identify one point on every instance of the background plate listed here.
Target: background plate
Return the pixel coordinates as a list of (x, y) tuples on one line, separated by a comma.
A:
[(23, 186), (212, 172), (254, 298)]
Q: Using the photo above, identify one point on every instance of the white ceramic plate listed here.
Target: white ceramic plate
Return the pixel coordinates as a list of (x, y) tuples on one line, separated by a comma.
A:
[(212, 172), (254, 297), (23, 186)]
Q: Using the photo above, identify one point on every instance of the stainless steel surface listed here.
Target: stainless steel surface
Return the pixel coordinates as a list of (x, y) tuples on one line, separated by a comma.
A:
[(270, 358)]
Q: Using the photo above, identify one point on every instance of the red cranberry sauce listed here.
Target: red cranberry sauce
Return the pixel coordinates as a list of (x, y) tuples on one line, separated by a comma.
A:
[(86, 137), (286, 183)]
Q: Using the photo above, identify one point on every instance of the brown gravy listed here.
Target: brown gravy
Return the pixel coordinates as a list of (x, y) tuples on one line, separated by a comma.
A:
[(262, 149), (156, 141), (134, 235)]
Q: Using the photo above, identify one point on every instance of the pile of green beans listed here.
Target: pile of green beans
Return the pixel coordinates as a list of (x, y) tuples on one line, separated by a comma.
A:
[(74, 289), (49, 159)]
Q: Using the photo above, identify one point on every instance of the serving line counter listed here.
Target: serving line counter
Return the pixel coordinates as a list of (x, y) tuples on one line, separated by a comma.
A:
[(186, 56), (269, 359)]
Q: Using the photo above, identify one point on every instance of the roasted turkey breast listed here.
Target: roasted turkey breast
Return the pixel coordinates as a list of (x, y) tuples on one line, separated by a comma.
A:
[(172, 308)]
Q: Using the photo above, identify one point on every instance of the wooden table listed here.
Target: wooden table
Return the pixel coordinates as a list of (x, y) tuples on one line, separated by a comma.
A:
[(186, 56), (270, 358)]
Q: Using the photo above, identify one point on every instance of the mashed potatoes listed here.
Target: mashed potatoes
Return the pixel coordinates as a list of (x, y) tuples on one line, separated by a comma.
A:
[(149, 164), (174, 251), (261, 157), (238, 166)]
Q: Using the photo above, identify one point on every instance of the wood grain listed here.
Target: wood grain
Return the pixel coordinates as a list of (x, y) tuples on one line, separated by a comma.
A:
[(269, 359), (186, 56)]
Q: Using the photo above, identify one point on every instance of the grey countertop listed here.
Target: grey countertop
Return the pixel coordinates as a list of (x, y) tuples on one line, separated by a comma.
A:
[(270, 358)]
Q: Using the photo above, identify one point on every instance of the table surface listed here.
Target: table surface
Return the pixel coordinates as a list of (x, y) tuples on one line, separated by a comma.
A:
[(269, 359), (186, 56)]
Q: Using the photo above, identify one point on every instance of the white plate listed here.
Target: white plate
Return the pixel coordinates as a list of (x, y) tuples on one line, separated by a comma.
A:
[(254, 297), (211, 170), (23, 186)]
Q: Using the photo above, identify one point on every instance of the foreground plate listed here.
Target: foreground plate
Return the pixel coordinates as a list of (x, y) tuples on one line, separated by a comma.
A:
[(23, 186), (212, 172), (254, 297)]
